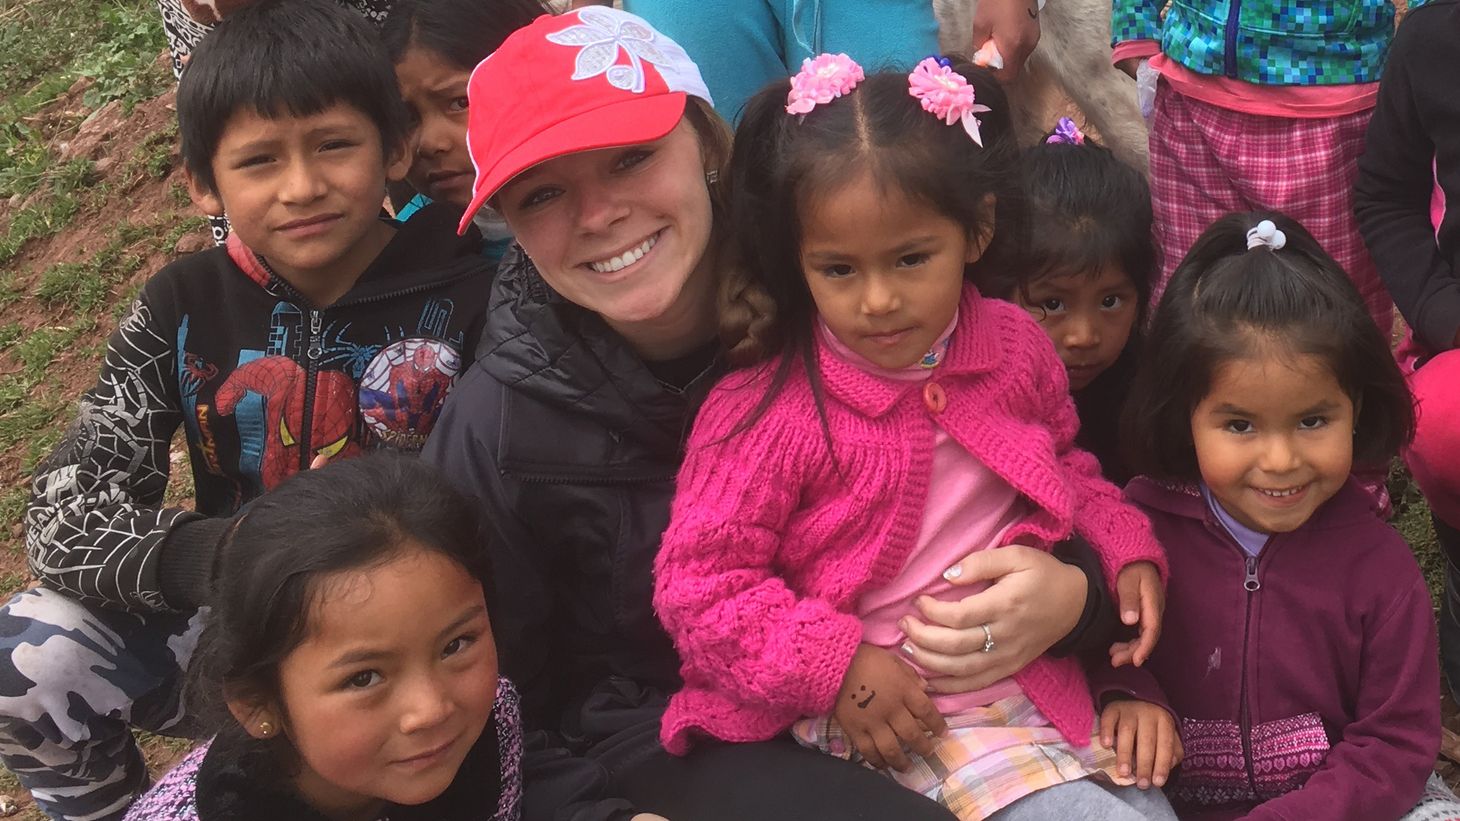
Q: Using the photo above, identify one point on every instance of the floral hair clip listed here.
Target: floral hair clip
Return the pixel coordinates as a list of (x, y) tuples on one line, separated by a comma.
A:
[(947, 94), (822, 78), (1065, 131), (1265, 233)]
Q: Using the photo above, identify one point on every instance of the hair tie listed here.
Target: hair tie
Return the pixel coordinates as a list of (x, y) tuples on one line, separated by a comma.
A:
[(1265, 233), (947, 95), (1066, 132), (822, 79)]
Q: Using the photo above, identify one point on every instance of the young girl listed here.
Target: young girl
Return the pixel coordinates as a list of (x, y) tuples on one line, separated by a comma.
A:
[(435, 44), (1084, 274), (350, 656), (898, 422), (1260, 104), (1299, 650)]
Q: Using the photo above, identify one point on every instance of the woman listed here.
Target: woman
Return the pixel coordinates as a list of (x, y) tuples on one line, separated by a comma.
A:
[(601, 341)]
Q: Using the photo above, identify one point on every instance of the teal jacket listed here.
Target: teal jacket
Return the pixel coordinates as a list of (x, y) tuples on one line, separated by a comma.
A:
[(1271, 42)]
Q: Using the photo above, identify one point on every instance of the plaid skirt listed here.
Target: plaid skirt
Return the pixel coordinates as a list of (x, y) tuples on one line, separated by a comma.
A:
[(1208, 161), (990, 757)]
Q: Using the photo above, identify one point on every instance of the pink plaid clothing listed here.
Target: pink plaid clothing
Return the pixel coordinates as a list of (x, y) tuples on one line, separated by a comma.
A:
[(1208, 161), (991, 757)]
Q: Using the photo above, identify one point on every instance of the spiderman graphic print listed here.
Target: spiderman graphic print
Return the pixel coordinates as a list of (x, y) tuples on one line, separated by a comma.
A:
[(283, 386), (403, 389)]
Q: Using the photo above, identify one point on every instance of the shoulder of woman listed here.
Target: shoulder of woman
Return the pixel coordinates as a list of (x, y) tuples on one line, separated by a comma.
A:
[(471, 410)]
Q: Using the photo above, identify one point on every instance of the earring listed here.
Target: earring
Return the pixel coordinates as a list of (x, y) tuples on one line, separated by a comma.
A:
[(265, 729), (712, 176)]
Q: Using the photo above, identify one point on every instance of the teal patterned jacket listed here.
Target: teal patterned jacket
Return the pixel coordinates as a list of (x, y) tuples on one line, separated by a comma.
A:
[(1271, 42)]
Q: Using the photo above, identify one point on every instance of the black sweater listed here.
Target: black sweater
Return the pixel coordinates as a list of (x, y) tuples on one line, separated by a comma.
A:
[(1413, 139), (261, 382)]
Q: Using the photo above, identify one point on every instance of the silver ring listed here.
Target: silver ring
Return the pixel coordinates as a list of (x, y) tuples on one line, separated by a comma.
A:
[(988, 639)]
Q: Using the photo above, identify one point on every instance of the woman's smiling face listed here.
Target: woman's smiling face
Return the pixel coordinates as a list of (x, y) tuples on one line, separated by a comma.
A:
[(620, 231)]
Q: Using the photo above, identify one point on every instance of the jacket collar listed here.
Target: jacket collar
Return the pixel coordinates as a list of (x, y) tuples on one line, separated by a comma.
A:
[(973, 348), (1351, 505), (425, 245)]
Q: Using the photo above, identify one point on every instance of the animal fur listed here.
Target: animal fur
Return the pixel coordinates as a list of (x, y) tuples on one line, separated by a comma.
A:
[(1072, 61)]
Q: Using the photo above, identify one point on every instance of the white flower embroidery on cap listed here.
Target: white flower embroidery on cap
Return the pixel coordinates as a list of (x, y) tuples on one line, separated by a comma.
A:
[(599, 42)]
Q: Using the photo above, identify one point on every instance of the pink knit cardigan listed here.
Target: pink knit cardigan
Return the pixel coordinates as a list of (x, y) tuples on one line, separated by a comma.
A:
[(768, 548)]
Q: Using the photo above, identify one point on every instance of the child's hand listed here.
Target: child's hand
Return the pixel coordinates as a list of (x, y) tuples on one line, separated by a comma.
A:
[(883, 709), (1143, 601), (1145, 739)]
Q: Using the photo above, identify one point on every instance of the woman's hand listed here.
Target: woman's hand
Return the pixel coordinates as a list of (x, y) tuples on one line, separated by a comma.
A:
[(1035, 601), (648, 816), (1013, 26)]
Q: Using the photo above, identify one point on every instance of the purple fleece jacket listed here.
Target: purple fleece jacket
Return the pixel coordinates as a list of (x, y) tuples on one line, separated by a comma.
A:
[(1306, 678)]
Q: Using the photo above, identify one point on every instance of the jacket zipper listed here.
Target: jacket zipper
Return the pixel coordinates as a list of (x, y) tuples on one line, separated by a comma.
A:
[(1251, 584), (1230, 55), (311, 367)]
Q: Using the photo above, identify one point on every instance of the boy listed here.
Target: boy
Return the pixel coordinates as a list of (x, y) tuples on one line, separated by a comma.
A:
[(319, 331)]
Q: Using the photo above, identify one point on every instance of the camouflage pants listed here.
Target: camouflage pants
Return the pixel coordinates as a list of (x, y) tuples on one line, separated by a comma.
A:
[(73, 680)]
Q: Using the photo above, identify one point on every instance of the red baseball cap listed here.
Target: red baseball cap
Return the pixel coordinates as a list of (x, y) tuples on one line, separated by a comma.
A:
[(592, 78)]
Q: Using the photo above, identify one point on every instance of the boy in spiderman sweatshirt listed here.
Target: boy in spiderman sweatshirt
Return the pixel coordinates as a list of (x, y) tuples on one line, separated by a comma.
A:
[(320, 330)]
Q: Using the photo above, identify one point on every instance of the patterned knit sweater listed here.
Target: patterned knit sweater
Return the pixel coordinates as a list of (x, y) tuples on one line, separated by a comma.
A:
[(239, 784), (768, 547)]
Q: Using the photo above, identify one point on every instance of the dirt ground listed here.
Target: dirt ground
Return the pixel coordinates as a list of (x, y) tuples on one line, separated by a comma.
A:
[(134, 207)]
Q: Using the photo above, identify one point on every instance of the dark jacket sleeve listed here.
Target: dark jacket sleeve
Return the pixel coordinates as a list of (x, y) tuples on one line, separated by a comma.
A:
[(1096, 629), (557, 784), (1396, 181), (94, 526)]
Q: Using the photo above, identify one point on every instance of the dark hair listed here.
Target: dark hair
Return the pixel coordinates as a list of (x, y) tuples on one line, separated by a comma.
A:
[(780, 159), (1225, 300), (1091, 210), (463, 32), (285, 57), (347, 515)]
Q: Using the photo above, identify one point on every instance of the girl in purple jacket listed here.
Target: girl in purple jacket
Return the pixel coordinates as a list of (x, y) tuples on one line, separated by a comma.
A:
[(1299, 643), (893, 422)]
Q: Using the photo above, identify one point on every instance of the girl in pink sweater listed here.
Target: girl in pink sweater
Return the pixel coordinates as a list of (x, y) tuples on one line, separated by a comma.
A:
[(895, 423)]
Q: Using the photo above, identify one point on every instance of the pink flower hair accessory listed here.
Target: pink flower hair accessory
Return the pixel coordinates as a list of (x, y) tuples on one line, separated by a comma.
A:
[(822, 79), (947, 94)]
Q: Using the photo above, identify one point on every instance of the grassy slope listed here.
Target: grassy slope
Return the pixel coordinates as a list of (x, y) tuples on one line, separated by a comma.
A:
[(77, 237)]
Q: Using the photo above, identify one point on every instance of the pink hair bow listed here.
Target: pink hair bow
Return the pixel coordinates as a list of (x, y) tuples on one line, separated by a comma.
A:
[(822, 79), (947, 94)]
